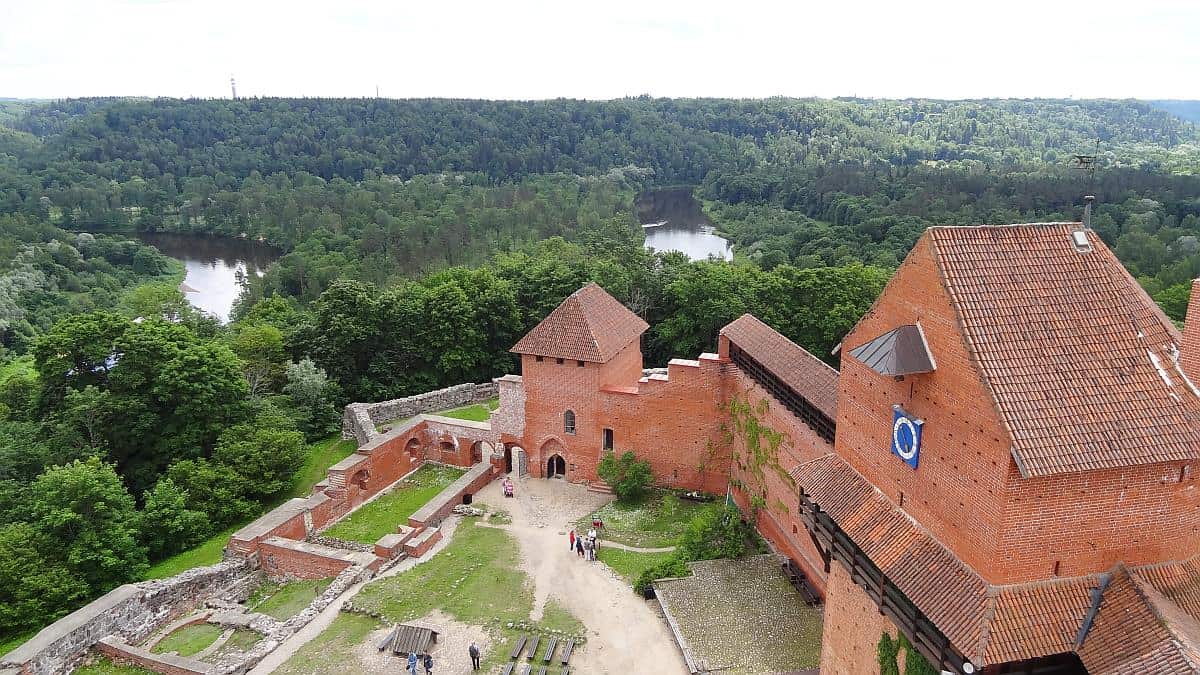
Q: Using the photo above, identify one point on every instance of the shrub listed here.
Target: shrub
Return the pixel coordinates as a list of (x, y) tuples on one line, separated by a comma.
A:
[(629, 477), (671, 567), (718, 532)]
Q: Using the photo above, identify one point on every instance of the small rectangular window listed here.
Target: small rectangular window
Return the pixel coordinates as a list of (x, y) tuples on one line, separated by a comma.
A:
[(579, 363), (558, 361), (608, 439), (539, 359)]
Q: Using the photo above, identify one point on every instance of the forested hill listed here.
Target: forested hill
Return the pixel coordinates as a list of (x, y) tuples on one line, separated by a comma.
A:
[(680, 139)]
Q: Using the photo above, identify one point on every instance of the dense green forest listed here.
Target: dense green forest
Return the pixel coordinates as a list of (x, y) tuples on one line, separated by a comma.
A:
[(422, 238)]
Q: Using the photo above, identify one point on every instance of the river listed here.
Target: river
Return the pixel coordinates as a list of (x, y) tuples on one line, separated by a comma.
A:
[(673, 221), (212, 264)]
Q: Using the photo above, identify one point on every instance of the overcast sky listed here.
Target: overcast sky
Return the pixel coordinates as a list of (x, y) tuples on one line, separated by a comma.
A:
[(521, 49)]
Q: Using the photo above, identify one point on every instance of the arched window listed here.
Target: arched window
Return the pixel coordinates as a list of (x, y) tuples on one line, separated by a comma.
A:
[(569, 421)]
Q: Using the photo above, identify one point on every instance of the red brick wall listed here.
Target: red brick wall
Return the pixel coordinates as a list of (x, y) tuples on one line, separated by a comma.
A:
[(958, 490), (1189, 359), (277, 561), (550, 390), (1090, 521), (779, 521), (852, 628)]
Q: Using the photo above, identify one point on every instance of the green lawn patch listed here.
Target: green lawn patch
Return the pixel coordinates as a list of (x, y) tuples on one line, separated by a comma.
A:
[(283, 601), (655, 522), (207, 552), (103, 666), (322, 455), (242, 640), (373, 520), (11, 642), (630, 564), (189, 640), (326, 653), (477, 579), (480, 412)]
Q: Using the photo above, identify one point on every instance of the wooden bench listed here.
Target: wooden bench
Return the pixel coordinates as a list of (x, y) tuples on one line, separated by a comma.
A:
[(566, 671), (508, 668), (516, 651), (533, 644), (542, 671), (550, 650), (526, 669), (566, 652)]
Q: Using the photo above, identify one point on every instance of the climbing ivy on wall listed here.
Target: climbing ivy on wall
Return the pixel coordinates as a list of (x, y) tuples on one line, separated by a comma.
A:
[(888, 651), (758, 452)]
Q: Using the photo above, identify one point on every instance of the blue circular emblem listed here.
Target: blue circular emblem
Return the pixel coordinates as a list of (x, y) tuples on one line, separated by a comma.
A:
[(904, 437)]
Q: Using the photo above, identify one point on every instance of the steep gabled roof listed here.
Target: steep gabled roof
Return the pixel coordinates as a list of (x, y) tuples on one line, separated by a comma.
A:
[(807, 375), (1081, 363), (590, 325)]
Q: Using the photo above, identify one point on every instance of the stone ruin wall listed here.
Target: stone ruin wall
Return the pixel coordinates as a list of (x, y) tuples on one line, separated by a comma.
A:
[(360, 419), (131, 612)]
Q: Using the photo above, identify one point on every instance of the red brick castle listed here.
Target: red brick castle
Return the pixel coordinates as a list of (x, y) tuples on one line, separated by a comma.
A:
[(1004, 470)]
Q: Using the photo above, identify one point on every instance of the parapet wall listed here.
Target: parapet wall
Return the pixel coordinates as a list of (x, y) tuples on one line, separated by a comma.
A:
[(131, 612), (360, 419)]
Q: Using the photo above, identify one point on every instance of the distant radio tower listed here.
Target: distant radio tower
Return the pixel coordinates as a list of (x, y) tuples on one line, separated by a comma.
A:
[(233, 87)]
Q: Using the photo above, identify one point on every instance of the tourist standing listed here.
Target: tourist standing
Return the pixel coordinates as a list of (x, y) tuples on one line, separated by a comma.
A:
[(412, 663), (572, 546), (579, 546), (592, 538), (473, 650), (428, 664)]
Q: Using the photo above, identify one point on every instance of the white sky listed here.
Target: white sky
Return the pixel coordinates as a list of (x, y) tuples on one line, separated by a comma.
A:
[(520, 49)]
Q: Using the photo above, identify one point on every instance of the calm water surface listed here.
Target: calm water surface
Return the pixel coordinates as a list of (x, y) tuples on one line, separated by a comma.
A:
[(674, 221), (213, 265)]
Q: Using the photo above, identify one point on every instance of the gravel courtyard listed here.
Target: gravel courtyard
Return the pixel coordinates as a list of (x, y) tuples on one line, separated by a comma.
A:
[(743, 616)]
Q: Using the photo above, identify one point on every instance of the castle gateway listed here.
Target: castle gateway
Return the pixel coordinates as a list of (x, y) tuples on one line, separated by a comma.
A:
[(1003, 471)]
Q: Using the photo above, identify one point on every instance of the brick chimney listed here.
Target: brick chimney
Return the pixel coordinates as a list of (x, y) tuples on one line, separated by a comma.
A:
[(1189, 358)]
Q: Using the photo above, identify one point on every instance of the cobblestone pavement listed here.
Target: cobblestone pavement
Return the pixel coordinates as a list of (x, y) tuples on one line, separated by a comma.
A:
[(729, 614)]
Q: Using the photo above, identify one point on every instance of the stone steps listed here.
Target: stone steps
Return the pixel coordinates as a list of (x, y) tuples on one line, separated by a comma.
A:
[(600, 487)]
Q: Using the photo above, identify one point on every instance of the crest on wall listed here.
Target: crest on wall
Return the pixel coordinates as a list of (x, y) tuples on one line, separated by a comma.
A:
[(906, 436)]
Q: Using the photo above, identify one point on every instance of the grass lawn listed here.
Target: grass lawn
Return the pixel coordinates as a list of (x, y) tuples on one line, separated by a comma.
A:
[(22, 365), (655, 522), (371, 521), (283, 601), (326, 653), (630, 564), (476, 579), (480, 412), (189, 640), (102, 666), (321, 455), (11, 642), (242, 640)]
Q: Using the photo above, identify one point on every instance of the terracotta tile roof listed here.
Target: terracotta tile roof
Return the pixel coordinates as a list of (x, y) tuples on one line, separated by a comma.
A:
[(1131, 634), (807, 375), (987, 624), (590, 325), (1179, 582), (1080, 361)]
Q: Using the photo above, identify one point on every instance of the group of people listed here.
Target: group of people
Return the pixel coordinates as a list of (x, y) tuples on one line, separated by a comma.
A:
[(586, 546), (424, 660)]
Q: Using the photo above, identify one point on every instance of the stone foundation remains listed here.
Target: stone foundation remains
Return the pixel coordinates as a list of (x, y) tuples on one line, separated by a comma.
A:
[(360, 420)]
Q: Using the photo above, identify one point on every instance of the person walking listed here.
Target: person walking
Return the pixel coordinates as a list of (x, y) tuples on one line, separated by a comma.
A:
[(587, 550), (428, 664), (473, 650), (572, 546), (412, 663)]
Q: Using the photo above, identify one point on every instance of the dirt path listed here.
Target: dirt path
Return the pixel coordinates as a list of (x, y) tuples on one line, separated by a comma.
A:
[(606, 543), (625, 633)]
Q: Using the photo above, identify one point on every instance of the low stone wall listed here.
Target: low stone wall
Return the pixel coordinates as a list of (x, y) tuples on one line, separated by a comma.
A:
[(170, 664), (436, 509), (131, 612), (334, 542), (360, 419)]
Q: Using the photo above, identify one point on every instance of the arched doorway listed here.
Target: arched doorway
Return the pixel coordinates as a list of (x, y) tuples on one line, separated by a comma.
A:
[(479, 449), (556, 467), (412, 447), (508, 453)]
